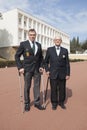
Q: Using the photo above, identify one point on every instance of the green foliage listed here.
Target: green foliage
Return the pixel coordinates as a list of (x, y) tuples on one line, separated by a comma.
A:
[(76, 60), (7, 64), (5, 38), (75, 45), (84, 45)]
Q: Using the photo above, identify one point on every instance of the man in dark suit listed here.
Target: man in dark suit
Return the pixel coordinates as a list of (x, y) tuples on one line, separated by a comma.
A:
[(31, 66), (58, 68)]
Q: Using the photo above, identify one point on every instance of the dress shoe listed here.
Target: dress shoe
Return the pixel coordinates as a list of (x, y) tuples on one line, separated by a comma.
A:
[(39, 107), (54, 107), (62, 105), (27, 107)]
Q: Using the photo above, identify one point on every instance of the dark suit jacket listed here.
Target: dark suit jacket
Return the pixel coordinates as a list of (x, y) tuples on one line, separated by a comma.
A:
[(57, 65), (30, 62)]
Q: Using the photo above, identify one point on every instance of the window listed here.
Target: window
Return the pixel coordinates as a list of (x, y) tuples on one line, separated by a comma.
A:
[(25, 21), (20, 34), (25, 35), (34, 24), (30, 22), (19, 19)]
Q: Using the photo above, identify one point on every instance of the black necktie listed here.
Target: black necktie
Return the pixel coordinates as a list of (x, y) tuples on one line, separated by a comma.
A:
[(33, 47), (57, 48)]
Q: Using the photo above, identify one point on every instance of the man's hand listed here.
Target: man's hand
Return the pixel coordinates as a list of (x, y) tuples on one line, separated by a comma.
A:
[(48, 73), (41, 70), (21, 71), (67, 77)]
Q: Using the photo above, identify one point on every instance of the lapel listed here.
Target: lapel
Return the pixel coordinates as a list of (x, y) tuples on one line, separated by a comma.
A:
[(54, 50), (55, 53), (29, 46)]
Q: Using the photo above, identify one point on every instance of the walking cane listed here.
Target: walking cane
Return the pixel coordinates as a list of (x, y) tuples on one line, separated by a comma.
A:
[(46, 88), (21, 95), (42, 84)]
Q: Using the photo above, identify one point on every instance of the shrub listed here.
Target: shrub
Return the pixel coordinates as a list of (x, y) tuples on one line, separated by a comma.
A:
[(7, 63), (76, 60)]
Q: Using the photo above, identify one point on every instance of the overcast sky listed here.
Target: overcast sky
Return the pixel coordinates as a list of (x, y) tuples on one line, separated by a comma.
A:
[(69, 16)]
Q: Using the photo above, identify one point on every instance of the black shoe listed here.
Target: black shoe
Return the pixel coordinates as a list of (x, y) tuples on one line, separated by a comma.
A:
[(27, 107), (39, 107), (62, 105), (54, 107)]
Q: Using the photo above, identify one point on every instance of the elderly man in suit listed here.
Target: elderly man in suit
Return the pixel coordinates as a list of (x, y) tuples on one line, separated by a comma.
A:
[(58, 68), (30, 67)]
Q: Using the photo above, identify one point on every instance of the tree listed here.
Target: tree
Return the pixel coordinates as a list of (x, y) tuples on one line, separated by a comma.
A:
[(75, 45), (84, 45), (5, 38)]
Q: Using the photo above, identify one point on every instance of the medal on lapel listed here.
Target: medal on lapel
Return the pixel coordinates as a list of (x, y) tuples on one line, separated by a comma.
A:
[(63, 56), (27, 52)]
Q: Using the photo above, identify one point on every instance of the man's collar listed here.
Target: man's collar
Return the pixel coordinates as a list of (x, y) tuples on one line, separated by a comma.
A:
[(31, 41), (57, 46)]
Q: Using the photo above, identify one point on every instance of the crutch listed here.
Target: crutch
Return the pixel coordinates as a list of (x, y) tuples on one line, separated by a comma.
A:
[(42, 85), (21, 95)]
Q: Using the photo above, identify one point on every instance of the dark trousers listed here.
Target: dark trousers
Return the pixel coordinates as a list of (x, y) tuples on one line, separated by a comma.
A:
[(27, 85), (58, 90)]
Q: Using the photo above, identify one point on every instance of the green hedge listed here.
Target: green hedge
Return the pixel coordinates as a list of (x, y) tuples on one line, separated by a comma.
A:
[(13, 63), (7, 63), (76, 60)]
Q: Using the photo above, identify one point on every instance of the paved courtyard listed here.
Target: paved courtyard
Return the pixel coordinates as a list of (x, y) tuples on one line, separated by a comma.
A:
[(73, 118)]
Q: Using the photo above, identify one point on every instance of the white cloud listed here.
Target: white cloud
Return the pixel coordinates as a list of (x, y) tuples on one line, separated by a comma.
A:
[(6, 4), (70, 21)]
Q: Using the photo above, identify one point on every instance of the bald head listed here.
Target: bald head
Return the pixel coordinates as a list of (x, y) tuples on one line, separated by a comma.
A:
[(57, 40), (58, 37)]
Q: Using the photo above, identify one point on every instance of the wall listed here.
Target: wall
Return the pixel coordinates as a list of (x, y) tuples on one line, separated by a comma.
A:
[(78, 56)]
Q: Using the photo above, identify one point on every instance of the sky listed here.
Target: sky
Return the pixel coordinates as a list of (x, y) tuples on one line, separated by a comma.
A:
[(70, 16)]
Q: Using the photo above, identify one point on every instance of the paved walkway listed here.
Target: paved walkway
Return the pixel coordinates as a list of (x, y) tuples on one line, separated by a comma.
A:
[(73, 118)]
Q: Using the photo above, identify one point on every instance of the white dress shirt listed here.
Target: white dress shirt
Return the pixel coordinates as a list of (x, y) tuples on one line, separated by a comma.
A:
[(57, 50)]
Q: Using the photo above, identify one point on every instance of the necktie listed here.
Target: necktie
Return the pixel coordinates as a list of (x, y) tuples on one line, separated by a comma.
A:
[(57, 48), (33, 47)]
